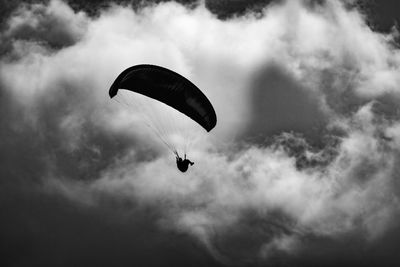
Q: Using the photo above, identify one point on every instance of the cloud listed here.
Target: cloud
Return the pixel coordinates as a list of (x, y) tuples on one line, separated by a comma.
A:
[(307, 142)]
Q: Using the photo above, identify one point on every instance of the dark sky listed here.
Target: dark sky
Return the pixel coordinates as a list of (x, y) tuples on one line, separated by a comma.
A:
[(301, 170)]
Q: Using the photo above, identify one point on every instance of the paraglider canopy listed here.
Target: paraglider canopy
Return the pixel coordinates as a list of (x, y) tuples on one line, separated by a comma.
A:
[(170, 88)]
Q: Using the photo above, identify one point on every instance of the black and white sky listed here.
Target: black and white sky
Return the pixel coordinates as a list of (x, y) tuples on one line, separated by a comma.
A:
[(302, 168)]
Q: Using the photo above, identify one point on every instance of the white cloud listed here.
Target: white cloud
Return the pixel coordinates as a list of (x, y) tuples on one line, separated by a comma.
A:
[(328, 50)]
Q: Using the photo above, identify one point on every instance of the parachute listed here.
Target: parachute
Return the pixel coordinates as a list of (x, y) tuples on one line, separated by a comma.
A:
[(170, 88)]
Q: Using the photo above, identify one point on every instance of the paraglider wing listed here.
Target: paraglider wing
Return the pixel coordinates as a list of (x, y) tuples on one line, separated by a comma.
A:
[(170, 88)]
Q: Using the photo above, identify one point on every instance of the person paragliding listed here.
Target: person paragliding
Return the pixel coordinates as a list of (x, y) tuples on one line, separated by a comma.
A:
[(182, 164), (172, 89)]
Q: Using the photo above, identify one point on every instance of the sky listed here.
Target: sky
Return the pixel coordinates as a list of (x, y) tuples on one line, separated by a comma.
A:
[(302, 168)]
